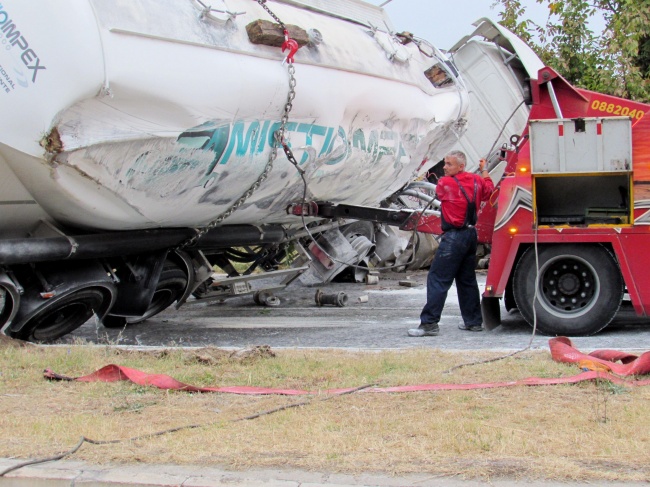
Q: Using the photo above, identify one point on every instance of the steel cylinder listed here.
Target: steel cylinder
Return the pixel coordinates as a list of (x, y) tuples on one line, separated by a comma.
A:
[(337, 299)]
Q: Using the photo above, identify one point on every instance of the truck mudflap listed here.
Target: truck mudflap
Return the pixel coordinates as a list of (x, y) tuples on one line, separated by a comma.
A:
[(491, 310)]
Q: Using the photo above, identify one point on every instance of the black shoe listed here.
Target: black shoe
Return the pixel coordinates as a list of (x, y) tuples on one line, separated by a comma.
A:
[(470, 327), (425, 330)]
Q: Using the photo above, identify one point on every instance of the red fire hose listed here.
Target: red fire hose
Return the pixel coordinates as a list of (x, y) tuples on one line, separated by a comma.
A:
[(600, 364)]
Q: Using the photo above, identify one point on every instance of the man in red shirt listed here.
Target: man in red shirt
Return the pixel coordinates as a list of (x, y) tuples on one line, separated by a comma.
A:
[(460, 194)]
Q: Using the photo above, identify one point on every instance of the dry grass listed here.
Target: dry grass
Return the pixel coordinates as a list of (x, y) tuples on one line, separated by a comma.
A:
[(581, 432)]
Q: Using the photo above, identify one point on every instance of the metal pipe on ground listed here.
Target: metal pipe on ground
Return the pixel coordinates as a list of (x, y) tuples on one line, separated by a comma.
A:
[(338, 299)]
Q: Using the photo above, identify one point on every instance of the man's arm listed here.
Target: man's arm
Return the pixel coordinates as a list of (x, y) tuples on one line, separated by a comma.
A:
[(488, 184)]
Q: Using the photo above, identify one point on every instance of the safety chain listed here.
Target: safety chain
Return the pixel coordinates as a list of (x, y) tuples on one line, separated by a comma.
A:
[(268, 10), (279, 134), (279, 140)]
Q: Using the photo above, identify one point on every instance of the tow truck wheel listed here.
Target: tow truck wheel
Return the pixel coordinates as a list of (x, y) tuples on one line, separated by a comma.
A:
[(579, 292)]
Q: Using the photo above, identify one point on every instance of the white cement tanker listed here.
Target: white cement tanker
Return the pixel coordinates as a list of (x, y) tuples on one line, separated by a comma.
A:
[(141, 142)]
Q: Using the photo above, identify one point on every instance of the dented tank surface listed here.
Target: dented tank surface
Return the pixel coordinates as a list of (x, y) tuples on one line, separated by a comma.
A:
[(161, 113)]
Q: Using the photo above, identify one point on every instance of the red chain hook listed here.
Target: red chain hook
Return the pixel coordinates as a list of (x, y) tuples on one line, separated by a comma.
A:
[(291, 45)]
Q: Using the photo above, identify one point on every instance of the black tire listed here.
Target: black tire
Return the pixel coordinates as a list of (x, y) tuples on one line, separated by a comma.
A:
[(580, 288), (64, 316), (170, 288), (112, 321)]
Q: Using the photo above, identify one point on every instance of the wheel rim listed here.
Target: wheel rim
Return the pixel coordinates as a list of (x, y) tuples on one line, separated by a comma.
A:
[(61, 318), (568, 287), (67, 316)]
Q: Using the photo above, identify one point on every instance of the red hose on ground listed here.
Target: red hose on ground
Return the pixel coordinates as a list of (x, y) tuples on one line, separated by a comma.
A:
[(561, 350)]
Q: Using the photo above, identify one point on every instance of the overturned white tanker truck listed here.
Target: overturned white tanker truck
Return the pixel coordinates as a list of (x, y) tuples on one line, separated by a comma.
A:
[(144, 142)]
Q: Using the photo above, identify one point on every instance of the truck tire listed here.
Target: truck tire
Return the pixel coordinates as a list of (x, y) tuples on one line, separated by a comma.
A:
[(169, 289), (64, 315), (580, 288)]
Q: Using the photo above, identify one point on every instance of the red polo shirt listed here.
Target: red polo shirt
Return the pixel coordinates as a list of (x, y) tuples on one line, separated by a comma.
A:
[(454, 204)]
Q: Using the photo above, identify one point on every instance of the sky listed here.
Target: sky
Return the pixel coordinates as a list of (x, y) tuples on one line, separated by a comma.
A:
[(443, 22)]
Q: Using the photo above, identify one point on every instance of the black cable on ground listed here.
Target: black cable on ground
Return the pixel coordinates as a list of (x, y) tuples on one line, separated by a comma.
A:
[(83, 439)]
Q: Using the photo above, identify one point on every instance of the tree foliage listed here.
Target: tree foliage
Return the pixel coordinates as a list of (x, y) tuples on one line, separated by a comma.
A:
[(615, 61)]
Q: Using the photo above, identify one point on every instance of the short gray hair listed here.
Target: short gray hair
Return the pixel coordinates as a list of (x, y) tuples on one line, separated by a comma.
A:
[(459, 155)]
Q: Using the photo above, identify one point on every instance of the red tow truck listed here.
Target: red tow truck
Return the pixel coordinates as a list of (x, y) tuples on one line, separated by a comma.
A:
[(568, 224)]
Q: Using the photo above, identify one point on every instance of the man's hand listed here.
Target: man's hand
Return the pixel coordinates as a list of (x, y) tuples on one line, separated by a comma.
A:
[(481, 166)]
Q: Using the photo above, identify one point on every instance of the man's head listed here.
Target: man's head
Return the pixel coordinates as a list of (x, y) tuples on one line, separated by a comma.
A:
[(454, 163)]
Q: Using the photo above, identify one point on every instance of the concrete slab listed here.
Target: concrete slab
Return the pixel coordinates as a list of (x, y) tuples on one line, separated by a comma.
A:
[(72, 473)]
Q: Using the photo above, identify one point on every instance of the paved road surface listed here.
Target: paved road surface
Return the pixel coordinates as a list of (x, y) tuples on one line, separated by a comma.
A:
[(379, 323)]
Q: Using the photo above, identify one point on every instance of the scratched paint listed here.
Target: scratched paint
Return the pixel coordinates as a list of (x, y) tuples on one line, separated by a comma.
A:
[(198, 174), (242, 142)]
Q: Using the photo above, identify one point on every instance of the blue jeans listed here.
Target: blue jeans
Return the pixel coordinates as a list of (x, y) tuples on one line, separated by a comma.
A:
[(454, 259)]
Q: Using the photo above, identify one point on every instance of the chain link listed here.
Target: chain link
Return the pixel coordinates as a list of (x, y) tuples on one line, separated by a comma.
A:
[(278, 140), (268, 10)]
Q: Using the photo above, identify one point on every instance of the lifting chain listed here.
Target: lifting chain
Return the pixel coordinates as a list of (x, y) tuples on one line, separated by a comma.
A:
[(268, 10), (279, 140)]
